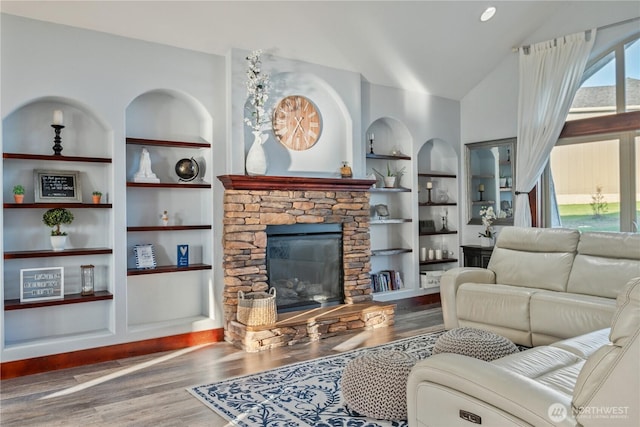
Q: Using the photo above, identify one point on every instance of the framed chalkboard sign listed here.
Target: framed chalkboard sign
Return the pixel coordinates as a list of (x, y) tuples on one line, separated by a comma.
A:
[(57, 186), (38, 284)]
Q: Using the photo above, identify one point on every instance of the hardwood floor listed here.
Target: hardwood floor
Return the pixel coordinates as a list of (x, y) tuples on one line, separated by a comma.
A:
[(151, 390)]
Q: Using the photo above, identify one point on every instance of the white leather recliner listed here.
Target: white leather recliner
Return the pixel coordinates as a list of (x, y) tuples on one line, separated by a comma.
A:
[(590, 380)]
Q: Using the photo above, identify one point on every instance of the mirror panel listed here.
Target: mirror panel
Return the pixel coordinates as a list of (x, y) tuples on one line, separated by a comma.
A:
[(490, 168)]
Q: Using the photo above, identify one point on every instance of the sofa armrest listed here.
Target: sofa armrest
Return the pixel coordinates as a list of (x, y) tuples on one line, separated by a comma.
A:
[(449, 283), (481, 388)]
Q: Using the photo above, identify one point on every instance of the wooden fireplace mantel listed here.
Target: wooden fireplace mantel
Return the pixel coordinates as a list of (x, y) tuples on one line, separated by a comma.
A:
[(285, 183)]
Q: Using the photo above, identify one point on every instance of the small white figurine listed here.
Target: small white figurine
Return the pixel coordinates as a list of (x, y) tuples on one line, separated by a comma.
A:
[(165, 218), (145, 174)]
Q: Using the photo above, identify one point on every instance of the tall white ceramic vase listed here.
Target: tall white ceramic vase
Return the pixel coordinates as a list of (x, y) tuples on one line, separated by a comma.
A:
[(256, 163)]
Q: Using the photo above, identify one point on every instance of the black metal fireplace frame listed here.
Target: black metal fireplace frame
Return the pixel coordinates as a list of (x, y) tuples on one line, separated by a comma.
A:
[(316, 230)]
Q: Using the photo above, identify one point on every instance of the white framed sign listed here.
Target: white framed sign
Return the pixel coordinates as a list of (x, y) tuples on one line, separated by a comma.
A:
[(57, 186), (145, 256), (39, 284)]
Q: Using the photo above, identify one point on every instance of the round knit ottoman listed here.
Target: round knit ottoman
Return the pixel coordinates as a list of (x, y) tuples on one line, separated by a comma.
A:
[(375, 384), (476, 343)]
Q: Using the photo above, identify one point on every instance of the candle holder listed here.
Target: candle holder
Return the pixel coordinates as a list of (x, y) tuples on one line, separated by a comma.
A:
[(429, 200), (87, 279), (57, 141), (371, 146), (481, 191), (444, 224)]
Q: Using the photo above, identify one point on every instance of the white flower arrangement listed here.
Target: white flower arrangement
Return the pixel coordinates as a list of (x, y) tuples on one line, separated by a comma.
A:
[(488, 216), (258, 86)]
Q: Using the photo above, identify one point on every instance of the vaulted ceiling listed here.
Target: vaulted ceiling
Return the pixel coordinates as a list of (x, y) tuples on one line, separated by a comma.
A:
[(438, 47)]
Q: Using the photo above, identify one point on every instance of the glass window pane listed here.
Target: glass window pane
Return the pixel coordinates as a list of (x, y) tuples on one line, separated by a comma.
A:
[(586, 178), (632, 75), (597, 95)]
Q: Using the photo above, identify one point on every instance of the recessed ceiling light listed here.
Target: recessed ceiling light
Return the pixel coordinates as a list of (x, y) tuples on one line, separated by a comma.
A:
[(488, 14)]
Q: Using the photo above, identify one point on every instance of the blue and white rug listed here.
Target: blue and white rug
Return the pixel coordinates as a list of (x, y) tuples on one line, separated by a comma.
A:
[(301, 394)]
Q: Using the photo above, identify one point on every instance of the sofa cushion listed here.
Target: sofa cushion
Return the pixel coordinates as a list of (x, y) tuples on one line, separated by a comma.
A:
[(605, 263), (534, 257), (584, 345), (499, 305), (553, 367), (565, 315)]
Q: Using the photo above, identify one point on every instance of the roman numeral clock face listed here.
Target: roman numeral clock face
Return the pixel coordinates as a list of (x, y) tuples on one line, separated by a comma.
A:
[(297, 123)]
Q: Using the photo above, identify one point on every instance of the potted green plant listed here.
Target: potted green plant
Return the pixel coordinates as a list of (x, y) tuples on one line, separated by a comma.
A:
[(18, 193), (96, 195), (391, 176), (54, 218)]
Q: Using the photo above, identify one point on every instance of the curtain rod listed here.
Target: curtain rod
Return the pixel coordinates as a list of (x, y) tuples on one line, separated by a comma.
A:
[(604, 27)]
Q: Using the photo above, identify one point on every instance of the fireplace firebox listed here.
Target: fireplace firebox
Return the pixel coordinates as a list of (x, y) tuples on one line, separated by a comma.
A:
[(304, 265)]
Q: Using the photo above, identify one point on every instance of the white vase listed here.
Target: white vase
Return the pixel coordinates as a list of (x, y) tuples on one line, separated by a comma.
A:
[(256, 163), (58, 242), (486, 241), (389, 181)]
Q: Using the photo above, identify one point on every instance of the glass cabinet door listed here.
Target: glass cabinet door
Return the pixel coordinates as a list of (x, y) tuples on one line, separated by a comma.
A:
[(490, 167)]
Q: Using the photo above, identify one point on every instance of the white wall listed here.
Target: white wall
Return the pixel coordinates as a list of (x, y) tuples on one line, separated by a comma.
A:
[(490, 110)]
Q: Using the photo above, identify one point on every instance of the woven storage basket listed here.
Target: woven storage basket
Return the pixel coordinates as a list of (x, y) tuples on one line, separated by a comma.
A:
[(257, 308)]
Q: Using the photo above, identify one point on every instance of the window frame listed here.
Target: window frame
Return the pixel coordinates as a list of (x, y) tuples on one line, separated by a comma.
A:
[(622, 126)]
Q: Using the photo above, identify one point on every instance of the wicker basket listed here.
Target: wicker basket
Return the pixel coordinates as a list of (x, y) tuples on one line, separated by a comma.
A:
[(257, 308)]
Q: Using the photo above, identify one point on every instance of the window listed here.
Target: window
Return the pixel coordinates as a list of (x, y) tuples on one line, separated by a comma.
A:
[(596, 163)]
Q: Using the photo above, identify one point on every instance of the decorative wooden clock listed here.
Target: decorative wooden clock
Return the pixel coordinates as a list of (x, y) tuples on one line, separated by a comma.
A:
[(297, 123)]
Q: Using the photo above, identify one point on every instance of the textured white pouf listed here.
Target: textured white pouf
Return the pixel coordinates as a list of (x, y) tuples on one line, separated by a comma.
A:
[(375, 384), (476, 343)]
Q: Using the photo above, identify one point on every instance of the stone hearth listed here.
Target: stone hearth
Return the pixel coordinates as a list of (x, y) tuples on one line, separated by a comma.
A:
[(252, 203)]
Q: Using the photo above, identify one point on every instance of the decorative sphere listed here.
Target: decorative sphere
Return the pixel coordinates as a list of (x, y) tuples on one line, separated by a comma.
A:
[(187, 169)]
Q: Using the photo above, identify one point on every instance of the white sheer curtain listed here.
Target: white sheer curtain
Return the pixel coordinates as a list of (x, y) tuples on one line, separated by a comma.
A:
[(550, 75)]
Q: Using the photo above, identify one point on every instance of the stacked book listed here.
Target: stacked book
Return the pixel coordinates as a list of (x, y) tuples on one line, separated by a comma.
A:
[(386, 280)]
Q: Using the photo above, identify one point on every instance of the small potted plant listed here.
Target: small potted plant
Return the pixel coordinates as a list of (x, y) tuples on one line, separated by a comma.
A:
[(487, 237), (18, 193), (54, 218), (96, 195), (391, 176)]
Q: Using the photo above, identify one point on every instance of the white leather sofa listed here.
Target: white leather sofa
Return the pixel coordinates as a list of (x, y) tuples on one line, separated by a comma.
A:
[(590, 380), (542, 285)]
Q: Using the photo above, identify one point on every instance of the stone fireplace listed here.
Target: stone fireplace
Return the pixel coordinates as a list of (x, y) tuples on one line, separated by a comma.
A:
[(251, 204)]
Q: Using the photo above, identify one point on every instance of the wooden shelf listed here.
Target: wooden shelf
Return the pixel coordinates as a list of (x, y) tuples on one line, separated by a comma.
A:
[(438, 261), (15, 304), (390, 190), (390, 251), (482, 202), (435, 233), (167, 143), (438, 175), (166, 269), (57, 205), (50, 253), (167, 185), (437, 204), (387, 157), (168, 228), (390, 221), (51, 157)]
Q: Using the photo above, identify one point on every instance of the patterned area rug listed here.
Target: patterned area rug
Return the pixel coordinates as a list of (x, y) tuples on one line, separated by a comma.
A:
[(301, 394)]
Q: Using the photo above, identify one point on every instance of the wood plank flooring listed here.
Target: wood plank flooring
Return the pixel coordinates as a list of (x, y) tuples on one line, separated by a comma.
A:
[(150, 390)]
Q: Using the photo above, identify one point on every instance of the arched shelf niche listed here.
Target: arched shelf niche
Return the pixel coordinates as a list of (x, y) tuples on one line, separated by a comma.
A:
[(173, 215), (335, 143), (438, 211), (392, 209)]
